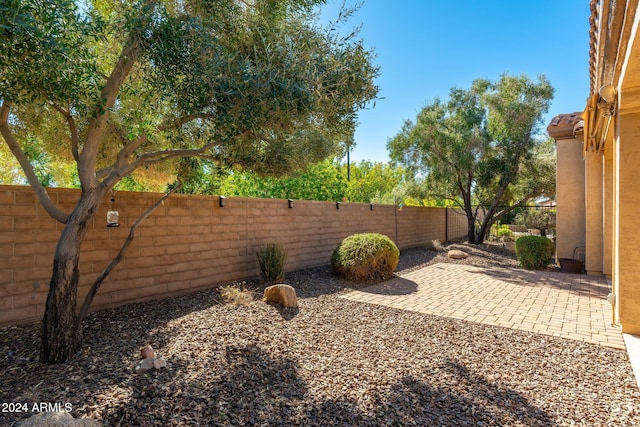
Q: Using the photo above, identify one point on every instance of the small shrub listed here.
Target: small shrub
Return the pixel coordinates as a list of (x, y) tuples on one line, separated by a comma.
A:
[(501, 232), (236, 294), (271, 259), (504, 231), (534, 251), (365, 257)]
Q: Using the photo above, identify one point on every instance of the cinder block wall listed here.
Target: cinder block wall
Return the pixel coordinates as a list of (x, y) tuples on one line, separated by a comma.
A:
[(188, 243)]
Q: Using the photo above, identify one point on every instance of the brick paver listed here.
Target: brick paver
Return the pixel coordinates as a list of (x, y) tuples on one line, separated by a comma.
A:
[(564, 305)]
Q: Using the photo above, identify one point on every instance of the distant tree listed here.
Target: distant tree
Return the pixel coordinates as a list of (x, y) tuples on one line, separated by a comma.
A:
[(125, 86), (543, 219), (480, 148), (371, 181), (320, 181)]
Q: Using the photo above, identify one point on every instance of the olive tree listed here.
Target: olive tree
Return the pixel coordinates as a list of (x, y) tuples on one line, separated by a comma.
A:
[(481, 149), (119, 86)]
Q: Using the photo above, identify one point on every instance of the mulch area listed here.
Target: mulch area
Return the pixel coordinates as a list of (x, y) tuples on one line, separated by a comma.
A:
[(331, 362)]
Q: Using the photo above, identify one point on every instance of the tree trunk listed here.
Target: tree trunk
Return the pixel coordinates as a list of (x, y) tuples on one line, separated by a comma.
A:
[(471, 231), (60, 337), (480, 235)]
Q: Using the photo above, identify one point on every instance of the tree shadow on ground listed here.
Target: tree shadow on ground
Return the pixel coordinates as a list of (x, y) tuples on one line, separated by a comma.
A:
[(394, 286), (415, 257), (582, 285), (247, 385)]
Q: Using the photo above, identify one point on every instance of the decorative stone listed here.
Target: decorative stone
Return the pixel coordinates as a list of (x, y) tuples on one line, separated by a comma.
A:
[(456, 254), (284, 295), (56, 419), (159, 363), (145, 365), (147, 352)]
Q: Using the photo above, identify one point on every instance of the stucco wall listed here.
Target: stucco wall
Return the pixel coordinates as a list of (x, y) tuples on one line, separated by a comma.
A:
[(570, 194), (627, 269), (188, 243)]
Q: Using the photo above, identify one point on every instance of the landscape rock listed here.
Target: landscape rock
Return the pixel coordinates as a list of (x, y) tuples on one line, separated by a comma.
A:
[(56, 419), (145, 365), (147, 352), (456, 254), (159, 363), (437, 245), (284, 295)]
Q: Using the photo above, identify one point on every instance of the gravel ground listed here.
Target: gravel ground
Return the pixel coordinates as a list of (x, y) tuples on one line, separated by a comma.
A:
[(332, 362)]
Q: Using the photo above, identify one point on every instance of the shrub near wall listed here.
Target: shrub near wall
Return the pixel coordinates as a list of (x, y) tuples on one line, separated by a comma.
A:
[(365, 257), (188, 243), (534, 251)]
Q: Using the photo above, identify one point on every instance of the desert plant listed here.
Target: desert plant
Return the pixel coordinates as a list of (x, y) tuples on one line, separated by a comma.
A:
[(534, 251), (238, 293), (271, 259), (502, 232), (365, 257)]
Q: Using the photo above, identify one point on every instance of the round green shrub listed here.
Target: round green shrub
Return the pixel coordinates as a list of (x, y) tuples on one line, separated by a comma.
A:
[(534, 251), (504, 231), (365, 257)]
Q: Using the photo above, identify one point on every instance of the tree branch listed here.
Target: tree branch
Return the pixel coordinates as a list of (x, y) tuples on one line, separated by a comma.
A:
[(19, 154), (73, 129), (130, 147), (115, 261), (97, 125), (181, 121), (154, 157)]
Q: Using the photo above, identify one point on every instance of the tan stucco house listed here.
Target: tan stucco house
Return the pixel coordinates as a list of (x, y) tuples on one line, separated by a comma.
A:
[(598, 152)]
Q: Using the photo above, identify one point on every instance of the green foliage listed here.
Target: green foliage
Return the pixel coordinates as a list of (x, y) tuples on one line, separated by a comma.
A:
[(271, 259), (124, 88), (259, 85), (325, 181), (321, 181), (480, 147), (371, 181), (534, 252), (199, 176), (542, 219), (365, 257), (501, 230)]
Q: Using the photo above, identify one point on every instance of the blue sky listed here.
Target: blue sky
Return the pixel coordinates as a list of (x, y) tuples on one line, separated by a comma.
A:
[(426, 47)]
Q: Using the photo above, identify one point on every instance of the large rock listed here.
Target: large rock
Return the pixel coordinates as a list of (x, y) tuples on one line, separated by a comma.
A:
[(284, 295), (456, 254), (56, 419)]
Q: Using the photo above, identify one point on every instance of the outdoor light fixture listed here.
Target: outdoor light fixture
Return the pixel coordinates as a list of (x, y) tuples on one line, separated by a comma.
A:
[(337, 205), (290, 203), (608, 93), (222, 201), (370, 206), (113, 217)]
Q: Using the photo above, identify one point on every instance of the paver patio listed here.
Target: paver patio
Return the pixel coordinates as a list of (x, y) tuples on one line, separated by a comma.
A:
[(564, 305)]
